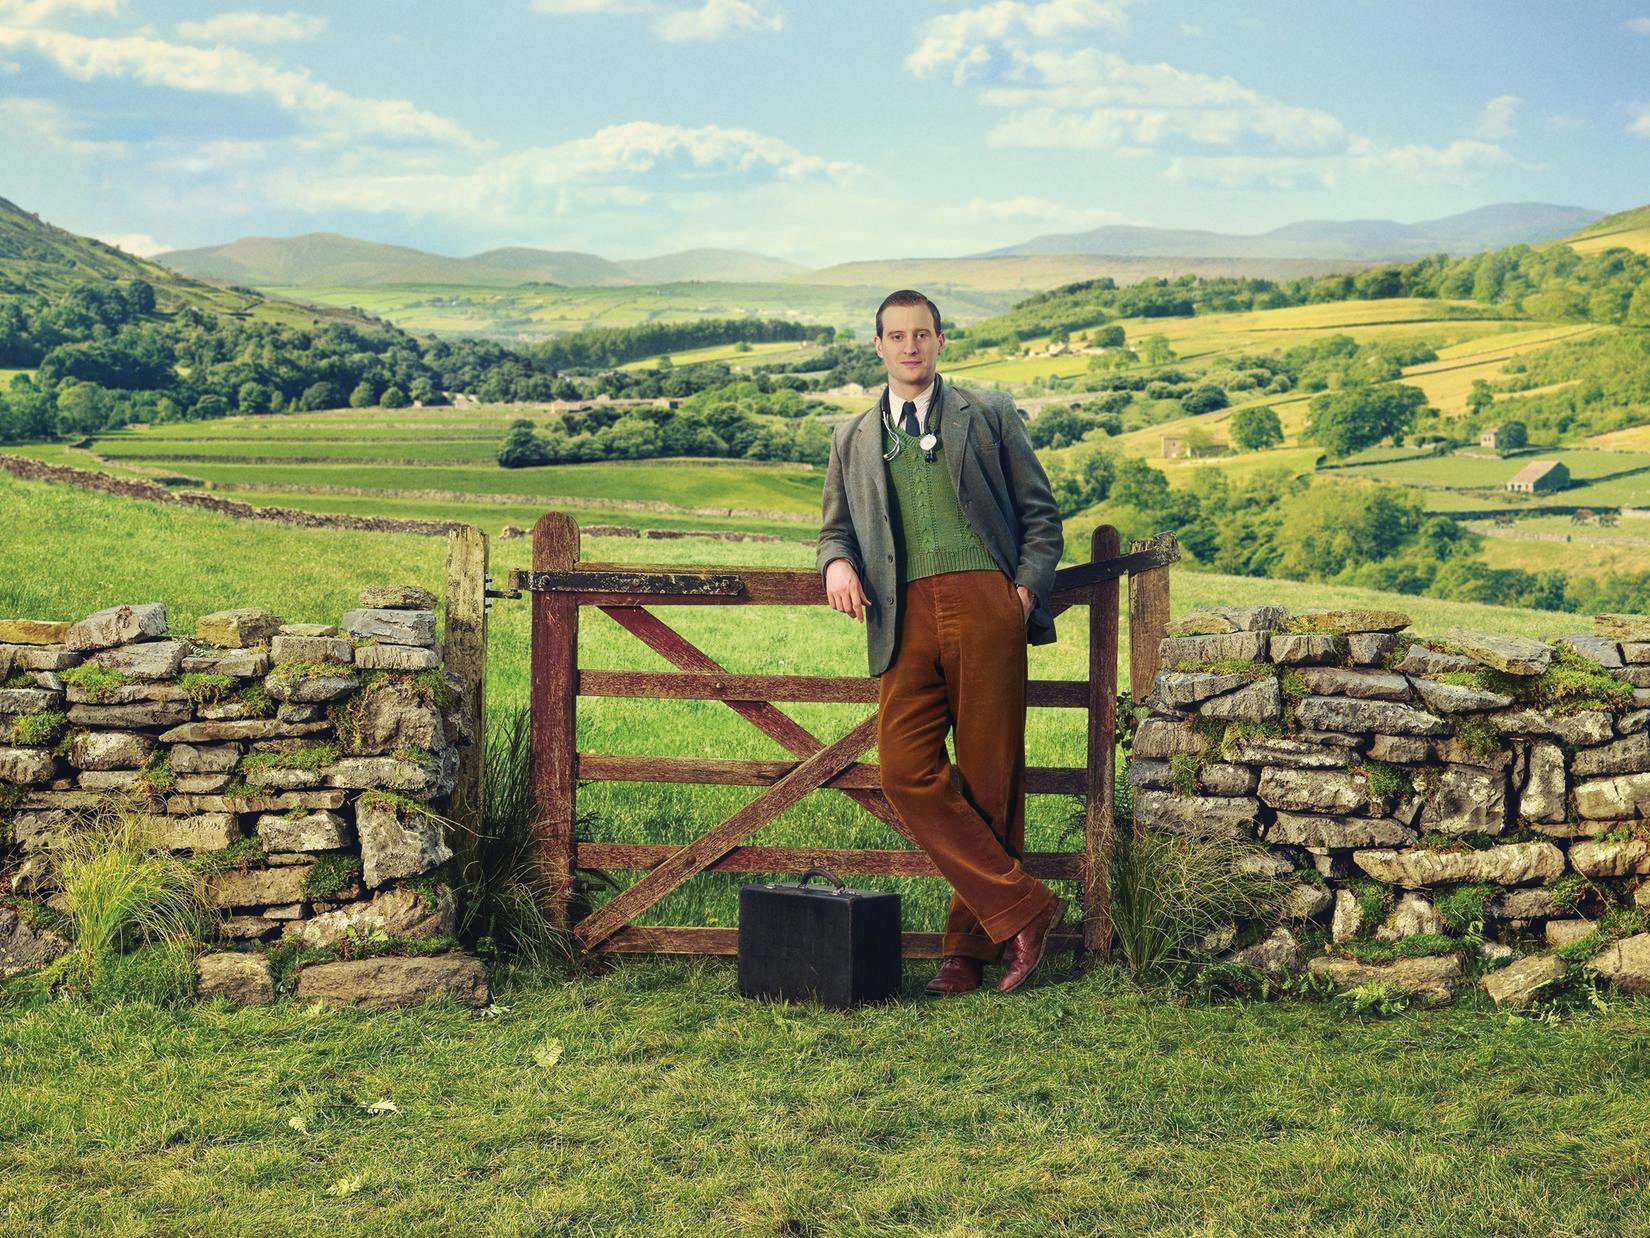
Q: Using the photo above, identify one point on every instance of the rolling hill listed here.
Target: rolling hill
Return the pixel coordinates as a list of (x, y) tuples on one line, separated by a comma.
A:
[(1371, 239), (331, 260), (1628, 229), (41, 259)]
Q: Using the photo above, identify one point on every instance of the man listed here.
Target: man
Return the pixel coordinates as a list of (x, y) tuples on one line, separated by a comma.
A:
[(939, 533)]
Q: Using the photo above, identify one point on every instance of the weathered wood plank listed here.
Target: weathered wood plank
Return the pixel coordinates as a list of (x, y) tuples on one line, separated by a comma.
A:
[(584, 580), (677, 685), (1148, 617), (770, 720), (554, 675), (725, 835), (1098, 827), (464, 646), (1047, 865), (725, 771), (648, 939)]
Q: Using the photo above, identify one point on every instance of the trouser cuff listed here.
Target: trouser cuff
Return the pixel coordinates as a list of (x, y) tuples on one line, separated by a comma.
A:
[(1005, 924)]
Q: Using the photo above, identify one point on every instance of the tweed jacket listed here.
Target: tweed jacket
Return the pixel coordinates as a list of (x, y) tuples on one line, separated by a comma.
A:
[(999, 482)]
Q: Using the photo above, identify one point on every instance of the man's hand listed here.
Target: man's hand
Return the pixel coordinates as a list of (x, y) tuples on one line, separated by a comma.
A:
[(1028, 602), (843, 589)]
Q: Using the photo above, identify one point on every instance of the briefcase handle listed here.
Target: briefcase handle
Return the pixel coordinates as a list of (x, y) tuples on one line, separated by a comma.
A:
[(818, 871)]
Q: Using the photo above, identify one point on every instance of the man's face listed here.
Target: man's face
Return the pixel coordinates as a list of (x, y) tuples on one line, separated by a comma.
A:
[(909, 345)]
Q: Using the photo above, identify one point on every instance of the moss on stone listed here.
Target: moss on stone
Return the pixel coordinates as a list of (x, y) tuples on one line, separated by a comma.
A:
[(1478, 735), (1574, 683), (41, 730), (1463, 905), (96, 681), (332, 872), (206, 687), (312, 757)]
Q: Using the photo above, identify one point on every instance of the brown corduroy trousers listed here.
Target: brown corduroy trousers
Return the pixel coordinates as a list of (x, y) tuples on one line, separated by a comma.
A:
[(960, 662)]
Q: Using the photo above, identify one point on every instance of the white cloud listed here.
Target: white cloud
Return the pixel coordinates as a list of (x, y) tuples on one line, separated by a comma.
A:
[(45, 124), (229, 71), (247, 26), (708, 19), (1421, 162), (1640, 124), (1034, 211), (1495, 121), (1093, 100), (1637, 25), (599, 170), (35, 12), (139, 243), (575, 8), (713, 19), (970, 41)]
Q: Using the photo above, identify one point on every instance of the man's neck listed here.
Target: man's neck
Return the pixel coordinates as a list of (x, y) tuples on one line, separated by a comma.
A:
[(905, 390)]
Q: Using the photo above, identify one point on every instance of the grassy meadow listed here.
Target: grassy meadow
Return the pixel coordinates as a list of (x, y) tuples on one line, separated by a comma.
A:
[(652, 1098)]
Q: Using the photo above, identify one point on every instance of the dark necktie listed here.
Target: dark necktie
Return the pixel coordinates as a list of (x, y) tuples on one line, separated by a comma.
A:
[(908, 419)]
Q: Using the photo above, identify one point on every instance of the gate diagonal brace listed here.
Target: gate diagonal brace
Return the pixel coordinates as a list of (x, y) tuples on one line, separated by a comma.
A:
[(700, 854), (775, 723)]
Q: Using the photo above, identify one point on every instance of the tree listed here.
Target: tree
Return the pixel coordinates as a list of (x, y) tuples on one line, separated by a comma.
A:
[(1480, 397), (1512, 435), (522, 447), (1204, 399), (393, 397), (1356, 417), (1256, 429), (365, 395), (1156, 351), (318, 396)]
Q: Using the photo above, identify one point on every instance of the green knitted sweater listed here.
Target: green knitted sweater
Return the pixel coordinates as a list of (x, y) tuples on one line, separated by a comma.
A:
[(931, 533)]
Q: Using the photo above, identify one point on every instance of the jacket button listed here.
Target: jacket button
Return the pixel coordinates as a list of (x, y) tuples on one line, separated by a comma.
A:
[(890, 558)]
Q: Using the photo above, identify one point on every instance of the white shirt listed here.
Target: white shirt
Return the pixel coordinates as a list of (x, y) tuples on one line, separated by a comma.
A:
[(921, 400)]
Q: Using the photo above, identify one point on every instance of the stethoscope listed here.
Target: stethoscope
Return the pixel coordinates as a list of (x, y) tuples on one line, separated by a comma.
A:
[(927, 441)]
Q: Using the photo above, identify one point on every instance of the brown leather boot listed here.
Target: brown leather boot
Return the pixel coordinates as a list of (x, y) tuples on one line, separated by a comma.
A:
[(1028, 944), (957, 974)]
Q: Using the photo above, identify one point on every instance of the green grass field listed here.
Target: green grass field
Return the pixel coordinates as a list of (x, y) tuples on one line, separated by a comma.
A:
[(654, 1099), (538, 312)]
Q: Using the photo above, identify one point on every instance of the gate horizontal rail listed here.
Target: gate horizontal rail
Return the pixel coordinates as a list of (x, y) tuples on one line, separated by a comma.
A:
[(560, 584)]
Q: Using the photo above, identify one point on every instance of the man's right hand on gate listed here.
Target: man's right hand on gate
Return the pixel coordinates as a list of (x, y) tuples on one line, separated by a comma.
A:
[(843, 590)]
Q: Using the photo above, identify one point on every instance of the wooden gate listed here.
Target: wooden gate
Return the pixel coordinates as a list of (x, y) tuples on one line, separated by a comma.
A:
[(560, 584)]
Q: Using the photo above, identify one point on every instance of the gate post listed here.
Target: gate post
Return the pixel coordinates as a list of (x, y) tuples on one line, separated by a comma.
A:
[(1148, 616), (465, 653), (1102, 763), (554, 697)]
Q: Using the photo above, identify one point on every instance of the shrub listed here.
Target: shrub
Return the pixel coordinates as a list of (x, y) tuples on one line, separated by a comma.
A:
[(1168, 892)]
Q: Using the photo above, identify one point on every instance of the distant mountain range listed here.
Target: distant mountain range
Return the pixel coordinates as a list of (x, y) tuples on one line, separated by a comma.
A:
[(1487, 227), (326, 258)]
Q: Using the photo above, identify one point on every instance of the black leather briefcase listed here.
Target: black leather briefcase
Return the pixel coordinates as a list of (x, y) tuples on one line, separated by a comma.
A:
[(800, 941)]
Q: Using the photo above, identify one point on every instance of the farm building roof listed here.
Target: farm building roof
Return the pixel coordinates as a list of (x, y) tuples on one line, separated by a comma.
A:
[(1533, 472)]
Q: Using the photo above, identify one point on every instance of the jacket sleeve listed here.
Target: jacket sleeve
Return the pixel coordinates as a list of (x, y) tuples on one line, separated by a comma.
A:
[(836, 525), (1042, 538)]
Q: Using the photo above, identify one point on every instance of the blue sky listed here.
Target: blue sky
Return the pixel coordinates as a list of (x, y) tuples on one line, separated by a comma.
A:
[(818, 132)]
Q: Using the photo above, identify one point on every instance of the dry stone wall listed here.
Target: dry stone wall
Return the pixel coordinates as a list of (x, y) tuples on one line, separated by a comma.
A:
[(308, 764), (1436, 806)]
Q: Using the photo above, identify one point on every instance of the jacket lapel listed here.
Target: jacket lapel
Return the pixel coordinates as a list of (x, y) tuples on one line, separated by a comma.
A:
[(867, 461), (954, 419)]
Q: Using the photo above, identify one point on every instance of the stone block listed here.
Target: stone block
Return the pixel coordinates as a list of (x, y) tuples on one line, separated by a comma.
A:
[(240, 979), (1517, 984), (1362, 685), (1313, 791), (239, 628), (1302, 649), (1328, 713), (117, 625), (393, 627), (388, 981)]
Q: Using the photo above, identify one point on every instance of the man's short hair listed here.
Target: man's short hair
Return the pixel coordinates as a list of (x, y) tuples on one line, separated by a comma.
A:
[(907, 296)]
